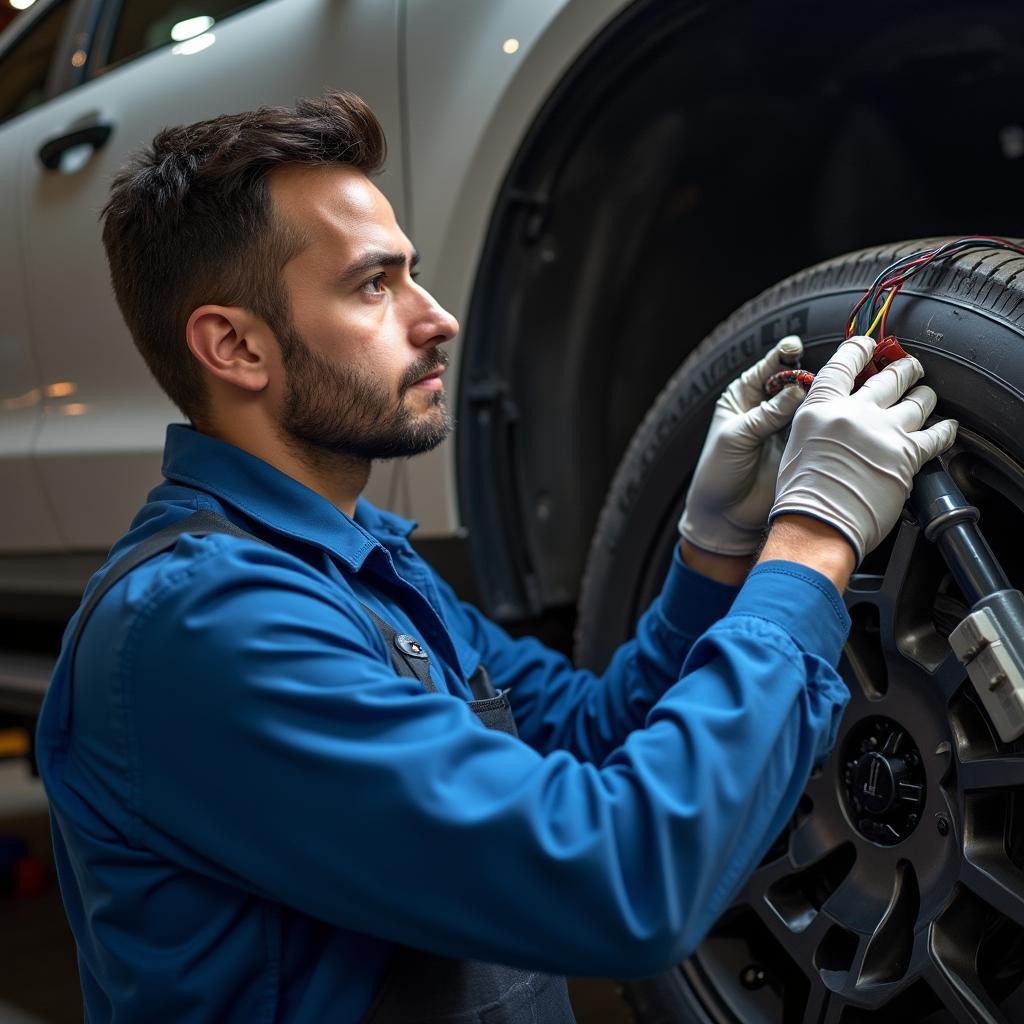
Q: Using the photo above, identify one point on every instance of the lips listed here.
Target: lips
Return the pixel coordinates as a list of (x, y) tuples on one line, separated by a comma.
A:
[(439, 364), (433, 375)]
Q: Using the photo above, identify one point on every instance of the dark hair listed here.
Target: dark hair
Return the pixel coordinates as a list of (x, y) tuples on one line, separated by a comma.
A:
[(190, 221)]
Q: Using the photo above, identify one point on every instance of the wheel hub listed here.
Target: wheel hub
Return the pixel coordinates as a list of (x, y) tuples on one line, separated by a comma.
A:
[(884, 781)]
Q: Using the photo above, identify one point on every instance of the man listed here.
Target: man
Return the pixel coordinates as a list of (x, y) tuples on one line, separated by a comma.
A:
[(281, 787)]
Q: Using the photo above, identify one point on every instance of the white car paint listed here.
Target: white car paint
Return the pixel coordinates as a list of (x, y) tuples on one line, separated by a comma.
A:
[(27, 523), (82, 458)]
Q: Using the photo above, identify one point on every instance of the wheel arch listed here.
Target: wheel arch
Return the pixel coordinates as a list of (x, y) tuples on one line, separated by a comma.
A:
[(632, 170)]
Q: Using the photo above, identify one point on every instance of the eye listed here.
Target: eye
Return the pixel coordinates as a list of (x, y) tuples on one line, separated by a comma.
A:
[(375, 286)]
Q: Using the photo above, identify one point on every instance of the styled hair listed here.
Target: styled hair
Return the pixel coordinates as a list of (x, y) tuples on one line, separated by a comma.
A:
[(190, 221)]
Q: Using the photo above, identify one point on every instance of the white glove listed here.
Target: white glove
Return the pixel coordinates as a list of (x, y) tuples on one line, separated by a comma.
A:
[(851, 458), (734, 483)]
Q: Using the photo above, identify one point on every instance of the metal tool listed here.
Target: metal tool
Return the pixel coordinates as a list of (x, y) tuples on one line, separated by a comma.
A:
[(990, 640)]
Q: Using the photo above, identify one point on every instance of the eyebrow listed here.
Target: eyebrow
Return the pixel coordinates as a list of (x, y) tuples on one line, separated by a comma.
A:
[(378, 258)]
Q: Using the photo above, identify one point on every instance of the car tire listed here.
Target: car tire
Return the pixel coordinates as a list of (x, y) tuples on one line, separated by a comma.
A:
[(956, 878)]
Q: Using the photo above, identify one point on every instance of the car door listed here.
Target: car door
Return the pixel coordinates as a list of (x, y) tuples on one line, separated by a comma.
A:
[(153, 63), (26, 60)]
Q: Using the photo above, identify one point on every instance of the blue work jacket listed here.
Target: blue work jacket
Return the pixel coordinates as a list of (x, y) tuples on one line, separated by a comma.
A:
[(250, 807)]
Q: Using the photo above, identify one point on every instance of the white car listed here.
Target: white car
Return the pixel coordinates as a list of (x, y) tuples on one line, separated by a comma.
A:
[(594, 185)]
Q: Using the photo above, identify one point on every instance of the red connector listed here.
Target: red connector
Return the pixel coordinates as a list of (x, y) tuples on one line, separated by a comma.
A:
[(887, 351), (777, 381)]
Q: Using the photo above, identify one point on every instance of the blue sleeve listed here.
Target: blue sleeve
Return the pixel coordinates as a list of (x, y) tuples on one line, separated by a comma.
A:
[(270, 747), (558, 707)]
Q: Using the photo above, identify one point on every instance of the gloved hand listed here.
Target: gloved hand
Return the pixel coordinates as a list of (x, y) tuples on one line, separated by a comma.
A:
[(851, 458), (734, 483)]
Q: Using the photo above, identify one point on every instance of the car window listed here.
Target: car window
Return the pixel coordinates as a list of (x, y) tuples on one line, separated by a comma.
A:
[(25, 67), (144, 25)]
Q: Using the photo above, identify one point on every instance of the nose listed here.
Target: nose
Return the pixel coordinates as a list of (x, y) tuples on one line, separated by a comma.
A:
[(433, 324)]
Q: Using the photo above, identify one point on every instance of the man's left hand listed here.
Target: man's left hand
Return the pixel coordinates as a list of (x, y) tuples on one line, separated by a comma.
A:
[(733, 486)]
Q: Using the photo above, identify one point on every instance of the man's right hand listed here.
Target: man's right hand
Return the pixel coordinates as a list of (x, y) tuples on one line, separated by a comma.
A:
[(851, 457)]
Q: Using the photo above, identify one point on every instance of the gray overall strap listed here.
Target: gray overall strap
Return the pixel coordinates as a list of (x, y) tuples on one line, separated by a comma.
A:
[(407, 655), (198, 524)]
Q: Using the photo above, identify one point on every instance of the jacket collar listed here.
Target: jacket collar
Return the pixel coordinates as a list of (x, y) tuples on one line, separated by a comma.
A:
[(270, 497)]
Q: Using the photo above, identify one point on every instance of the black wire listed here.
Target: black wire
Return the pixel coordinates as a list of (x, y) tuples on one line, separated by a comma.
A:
[(868, 311), (875, 295)]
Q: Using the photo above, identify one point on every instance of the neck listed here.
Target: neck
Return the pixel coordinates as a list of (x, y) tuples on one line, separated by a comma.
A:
[(338, 478)]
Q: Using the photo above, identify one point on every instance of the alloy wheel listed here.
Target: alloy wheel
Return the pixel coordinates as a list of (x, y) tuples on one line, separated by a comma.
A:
[(897, 890)]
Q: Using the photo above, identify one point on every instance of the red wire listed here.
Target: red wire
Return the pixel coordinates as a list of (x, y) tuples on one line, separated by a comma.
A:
[(896, 281)]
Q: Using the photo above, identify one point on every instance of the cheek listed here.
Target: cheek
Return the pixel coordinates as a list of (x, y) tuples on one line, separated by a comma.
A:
[(340, 332), (366, 336), (378, 365)]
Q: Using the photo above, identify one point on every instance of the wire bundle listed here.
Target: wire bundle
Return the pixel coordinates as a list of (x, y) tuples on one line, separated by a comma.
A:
[(873, 308)]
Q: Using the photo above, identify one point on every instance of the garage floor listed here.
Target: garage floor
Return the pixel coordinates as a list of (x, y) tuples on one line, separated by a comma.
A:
[(38, 973)]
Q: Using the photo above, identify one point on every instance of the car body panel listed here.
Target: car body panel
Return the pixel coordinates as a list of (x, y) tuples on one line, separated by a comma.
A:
[(27, 522), (98, 447)]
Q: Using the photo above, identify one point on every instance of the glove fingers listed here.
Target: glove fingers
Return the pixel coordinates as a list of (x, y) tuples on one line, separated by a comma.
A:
[(917, 405), (886, 386), (935, 440), (771, 415), (836, 377), (751, 382)]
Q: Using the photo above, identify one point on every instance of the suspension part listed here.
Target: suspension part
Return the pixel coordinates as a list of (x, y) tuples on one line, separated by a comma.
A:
[(990, 640)]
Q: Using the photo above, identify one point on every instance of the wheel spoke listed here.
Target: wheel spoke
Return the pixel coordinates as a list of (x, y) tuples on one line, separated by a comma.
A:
[(884, 592), (898, 568), (955, 940), (864, 587), (809, 842), (995, 880), (866, 695), (870, 990), (992, 772), (800, 945), (818, 1001), (833, 1011), (761, 881), (885, 956), (948, 677), (963, 997), (802, 933)]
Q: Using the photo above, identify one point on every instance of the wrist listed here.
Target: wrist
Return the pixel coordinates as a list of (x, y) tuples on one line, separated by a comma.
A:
[(730, 569), (808, 541)]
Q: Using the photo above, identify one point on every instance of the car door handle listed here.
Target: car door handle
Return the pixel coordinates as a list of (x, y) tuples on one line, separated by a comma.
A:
[(94, 135)]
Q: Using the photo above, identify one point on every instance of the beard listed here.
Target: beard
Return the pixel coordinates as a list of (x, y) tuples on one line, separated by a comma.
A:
[(343, 410)]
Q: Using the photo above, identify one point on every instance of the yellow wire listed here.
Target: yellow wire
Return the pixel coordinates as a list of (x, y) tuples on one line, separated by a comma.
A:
[(881, 313)]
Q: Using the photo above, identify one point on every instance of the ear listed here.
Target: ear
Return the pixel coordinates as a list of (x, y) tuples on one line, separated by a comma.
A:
[(231, 344)]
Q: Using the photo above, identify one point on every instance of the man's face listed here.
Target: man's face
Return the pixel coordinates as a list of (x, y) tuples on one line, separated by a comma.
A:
[(361, 351)]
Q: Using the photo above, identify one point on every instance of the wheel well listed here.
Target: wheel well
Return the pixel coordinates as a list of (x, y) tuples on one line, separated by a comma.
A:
[(695, 155)]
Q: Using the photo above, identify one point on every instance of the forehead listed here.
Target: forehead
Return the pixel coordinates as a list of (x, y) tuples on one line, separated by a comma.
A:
[(337, 209)]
